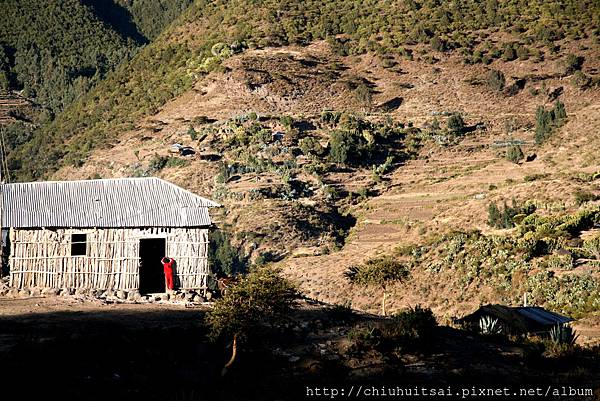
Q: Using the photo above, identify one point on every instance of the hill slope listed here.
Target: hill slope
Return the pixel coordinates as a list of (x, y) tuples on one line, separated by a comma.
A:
[(184, 52), (334, 137)]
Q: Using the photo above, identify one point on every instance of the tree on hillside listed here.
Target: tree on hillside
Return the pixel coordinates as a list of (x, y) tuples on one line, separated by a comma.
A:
[(379, 272)]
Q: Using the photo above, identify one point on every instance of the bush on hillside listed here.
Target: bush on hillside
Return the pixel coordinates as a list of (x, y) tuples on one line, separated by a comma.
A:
[(505, 217), (496, 80), (548, 120), (311, 146), (411, 326), (514, 154), (582, 197), (223, 257), (580, 80), (379, 272), (570, 64), (456, 124)]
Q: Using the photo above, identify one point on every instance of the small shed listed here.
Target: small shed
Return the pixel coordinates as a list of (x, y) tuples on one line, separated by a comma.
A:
[(108, 234), (517, 319)]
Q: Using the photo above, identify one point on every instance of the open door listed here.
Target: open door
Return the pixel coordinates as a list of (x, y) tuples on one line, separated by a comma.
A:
[(152, 277)]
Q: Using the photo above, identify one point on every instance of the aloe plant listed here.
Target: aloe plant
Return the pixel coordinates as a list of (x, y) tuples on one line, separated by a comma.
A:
[(489, 326), (563, 334)]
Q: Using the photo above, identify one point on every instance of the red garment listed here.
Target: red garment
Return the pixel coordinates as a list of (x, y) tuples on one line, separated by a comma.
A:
[(168, 268)]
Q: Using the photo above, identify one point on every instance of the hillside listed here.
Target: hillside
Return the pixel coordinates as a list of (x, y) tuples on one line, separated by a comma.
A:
[(183, 55), (55, 52), (334, 132), (284, 198)]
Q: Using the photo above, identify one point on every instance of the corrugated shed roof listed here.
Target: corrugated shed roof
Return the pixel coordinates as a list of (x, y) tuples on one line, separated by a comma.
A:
[(120, 202), (521, 318), (543, 316)]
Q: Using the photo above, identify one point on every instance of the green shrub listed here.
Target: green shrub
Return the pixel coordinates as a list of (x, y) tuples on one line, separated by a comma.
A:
[(364, 336), (548, 120), (570, 64), (341, 312), (157, 163), (350, 146), (413, 326), (221, 50), (332, 117), (560, 262), (488, 326), (582, 197), (437, 44), (364, 95), (286, 121), (580, 80), (592, 247), (496, 80), (192, 133), (509, 53), (522, 52), (456, 124), (224, 259), (563, 334), (514, 154), (505, 218), (311, 146), (535, 177)]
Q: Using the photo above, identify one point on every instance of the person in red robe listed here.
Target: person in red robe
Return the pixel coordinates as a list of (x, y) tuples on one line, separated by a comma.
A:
[(168, 268)]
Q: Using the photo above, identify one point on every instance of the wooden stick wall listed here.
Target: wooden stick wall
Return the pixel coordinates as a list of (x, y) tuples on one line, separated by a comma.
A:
[(42, 257)]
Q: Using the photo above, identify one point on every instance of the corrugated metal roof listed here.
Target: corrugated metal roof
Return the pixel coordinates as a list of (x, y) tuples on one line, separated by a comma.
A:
[(120, 202), (521, 318), (543, 316)]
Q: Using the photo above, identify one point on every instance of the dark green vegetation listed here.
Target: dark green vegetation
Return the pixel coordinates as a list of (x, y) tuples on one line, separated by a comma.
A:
[(55, 52), (166, 68), (149, 17), (509, 215), (515, 154), (224, 258), (548, 120)]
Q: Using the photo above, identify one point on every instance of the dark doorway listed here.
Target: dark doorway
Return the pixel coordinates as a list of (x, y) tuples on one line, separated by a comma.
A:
[(152, 276)]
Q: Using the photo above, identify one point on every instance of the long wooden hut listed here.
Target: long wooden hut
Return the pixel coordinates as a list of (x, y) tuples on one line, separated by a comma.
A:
[(105, 234)]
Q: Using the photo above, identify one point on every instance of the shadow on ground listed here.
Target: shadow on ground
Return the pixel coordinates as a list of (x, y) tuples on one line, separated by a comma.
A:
[(164, 355)]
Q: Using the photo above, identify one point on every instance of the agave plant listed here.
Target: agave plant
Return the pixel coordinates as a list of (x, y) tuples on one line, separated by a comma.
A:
[(489, 326), (563, 334)]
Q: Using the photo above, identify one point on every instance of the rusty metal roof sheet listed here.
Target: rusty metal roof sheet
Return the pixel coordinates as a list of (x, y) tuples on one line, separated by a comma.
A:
[(120, 202)]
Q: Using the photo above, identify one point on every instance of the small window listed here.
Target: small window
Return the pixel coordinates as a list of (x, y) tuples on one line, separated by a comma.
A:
[(78, 244)]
